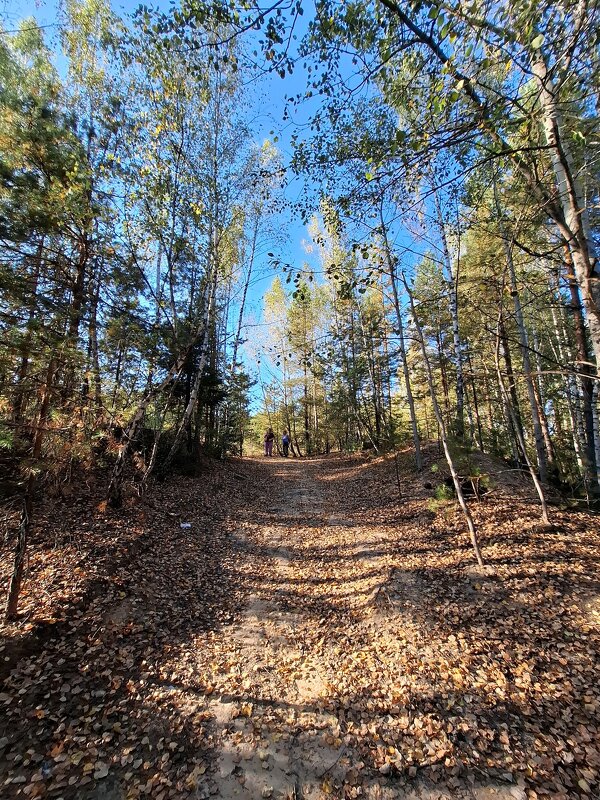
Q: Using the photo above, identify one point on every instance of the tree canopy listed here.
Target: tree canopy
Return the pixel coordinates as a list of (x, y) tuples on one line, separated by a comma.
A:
[(443, 158)]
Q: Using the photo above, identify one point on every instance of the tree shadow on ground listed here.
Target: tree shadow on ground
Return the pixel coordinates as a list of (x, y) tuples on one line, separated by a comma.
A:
[(470, 676)]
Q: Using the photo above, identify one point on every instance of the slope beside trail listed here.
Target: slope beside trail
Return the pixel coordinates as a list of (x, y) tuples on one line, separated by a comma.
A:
[(318, 631)]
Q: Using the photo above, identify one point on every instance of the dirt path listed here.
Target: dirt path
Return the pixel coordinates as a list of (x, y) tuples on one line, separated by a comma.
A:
[(256, 760), (299, 630), (279, 734)]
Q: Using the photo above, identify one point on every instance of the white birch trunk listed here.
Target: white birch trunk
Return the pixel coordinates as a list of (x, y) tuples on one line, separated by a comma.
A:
[(402, 348), (518, 433), (596, 414), (540, 448), (443, 435), (576, 227), (193, 399), (452, 288)]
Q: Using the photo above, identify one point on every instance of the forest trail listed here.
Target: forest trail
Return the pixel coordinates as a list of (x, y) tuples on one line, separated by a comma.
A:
[(313, 572), (312, 634)]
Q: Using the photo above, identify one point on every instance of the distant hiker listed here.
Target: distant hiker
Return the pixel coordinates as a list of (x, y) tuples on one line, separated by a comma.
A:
[(285, 441), (269, 438)]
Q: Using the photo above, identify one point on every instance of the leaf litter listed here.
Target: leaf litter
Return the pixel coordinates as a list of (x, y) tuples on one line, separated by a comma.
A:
[(313, 634)]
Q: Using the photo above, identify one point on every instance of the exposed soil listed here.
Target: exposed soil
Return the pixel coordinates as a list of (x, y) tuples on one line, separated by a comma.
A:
[(315, 633)]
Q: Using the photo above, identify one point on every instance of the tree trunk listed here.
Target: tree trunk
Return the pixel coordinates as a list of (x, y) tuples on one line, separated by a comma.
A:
[(114, 494), (443, 373), (596, 397), (540, 398), (442, 432), (367, 343), (401, 346), (75, 314), (572, 397), (191, 404), (20, 399), (511, 397), (475, 403), (569, 211), (497, 399), (238, 332), (307, 441), (574, 223), (584, 367), (524, 345), (452, 289), (93, 356), (315, 410), (534, 478), (14, 586)]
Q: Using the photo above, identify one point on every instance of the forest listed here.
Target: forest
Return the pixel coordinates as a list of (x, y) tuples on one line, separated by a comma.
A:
[(371, 224)]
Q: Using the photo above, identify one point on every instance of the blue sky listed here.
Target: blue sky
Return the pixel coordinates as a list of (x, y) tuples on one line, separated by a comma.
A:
[(267, 96), (267, 102)]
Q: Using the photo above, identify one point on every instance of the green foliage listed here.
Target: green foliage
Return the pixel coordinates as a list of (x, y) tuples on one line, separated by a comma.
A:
[(123, 185), (131, 194), (443, 492), (7, 438)]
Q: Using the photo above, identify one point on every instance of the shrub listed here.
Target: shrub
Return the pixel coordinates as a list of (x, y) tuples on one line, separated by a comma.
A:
[(443, 492)]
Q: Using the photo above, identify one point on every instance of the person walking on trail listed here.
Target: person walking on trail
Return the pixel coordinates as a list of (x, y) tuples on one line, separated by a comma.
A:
[(285, 441), (269, 439)]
